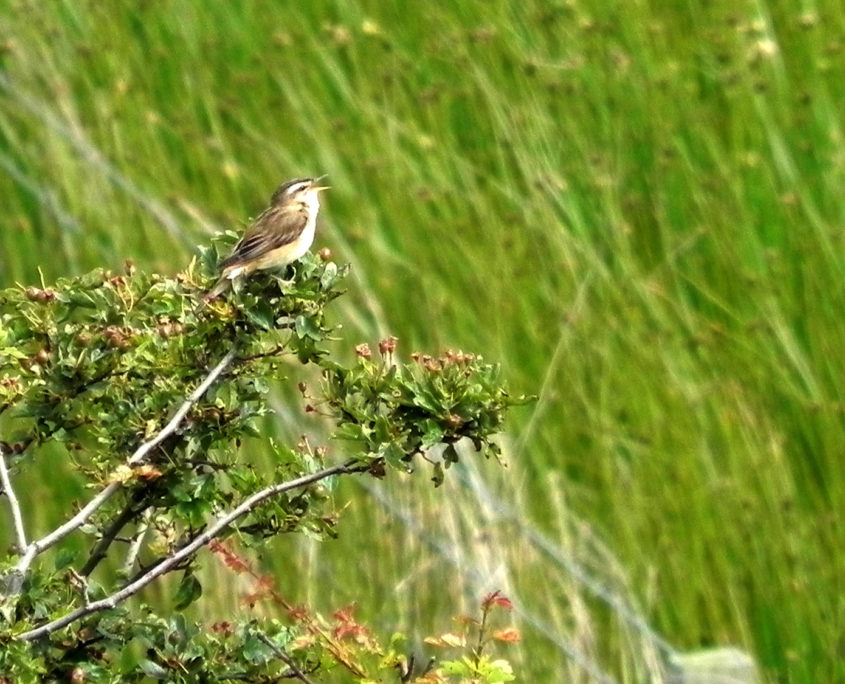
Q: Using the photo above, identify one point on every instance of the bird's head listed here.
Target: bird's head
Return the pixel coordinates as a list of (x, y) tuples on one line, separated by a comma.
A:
[(298, 190)]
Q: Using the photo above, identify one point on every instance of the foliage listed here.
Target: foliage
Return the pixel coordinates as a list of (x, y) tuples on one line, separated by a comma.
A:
[(99, 367), (349, 646), (636, 206)]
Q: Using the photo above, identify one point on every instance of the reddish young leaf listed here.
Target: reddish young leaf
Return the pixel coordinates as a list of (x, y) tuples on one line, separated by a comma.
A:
[(509, 635)]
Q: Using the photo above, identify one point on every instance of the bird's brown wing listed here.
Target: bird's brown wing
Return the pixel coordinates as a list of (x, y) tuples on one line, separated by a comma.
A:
[(274, 228)]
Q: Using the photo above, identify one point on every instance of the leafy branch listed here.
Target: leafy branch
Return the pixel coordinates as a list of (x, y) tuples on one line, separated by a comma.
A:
[(186, 551), (74, 523), (148, 394)]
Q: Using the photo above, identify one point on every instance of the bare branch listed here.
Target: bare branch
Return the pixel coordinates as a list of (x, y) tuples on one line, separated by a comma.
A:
[(295, 672), (188, 550), (14, 505), (140, 453), (81, 583), (135, 506)]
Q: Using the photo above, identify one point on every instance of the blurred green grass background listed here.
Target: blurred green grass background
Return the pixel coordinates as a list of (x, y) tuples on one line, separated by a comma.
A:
[(636, 207)]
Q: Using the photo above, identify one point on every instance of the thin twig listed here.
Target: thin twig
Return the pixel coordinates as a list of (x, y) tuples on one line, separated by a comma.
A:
[(188, 550), (295, 672), (137, 542), (100, 549), (179, 416), (14, 505), (81, 582), (140, 453)]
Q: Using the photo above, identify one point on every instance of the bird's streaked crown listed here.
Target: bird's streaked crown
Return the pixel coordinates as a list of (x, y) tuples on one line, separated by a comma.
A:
[(293, 188)]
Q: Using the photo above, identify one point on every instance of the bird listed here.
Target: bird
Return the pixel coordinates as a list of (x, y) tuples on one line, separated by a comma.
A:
[(280, 235)]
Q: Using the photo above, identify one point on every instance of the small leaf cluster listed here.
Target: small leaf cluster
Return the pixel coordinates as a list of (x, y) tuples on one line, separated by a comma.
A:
[(343, 643), (396, 412)]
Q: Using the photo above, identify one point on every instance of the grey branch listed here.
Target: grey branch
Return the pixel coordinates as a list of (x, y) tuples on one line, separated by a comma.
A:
[(17, 517), (36, 547), (188, 550)]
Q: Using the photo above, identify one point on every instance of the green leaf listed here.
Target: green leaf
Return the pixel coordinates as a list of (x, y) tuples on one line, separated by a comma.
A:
[(255, 650), (152, 670), (394, 456), (193, 510), (329, 276), (64, 558), (462, 668), (261, 315), (432, 433), (189, 590), (307, 327), (382, 429)]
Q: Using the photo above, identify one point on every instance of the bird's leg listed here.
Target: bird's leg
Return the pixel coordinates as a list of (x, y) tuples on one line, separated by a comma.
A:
[(283, 282)]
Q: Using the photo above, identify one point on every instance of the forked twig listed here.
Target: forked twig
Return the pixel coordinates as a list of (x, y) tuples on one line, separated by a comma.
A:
[(137, 542), (40, 545), (188, 550)]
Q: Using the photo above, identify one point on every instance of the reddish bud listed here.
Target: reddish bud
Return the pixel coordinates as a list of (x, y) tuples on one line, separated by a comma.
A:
[(345, 614), (303, 388), (387, 345), (148, 473), (432, 365), (454, 421), (496, 598), (224, 628), (325, 254), (298, 613), (362, 351)]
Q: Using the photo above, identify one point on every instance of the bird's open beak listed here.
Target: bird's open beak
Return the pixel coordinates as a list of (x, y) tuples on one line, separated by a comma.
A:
[(318, 188)]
